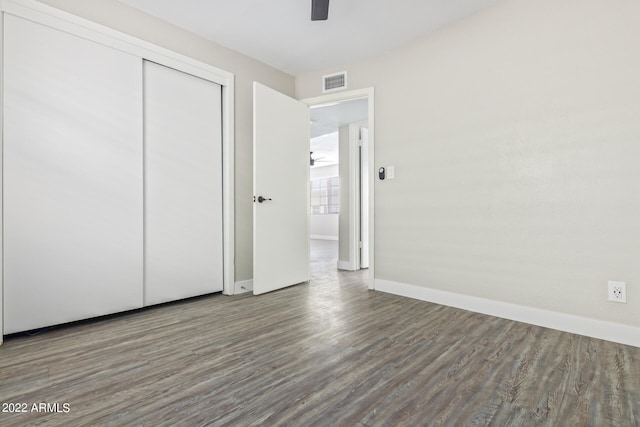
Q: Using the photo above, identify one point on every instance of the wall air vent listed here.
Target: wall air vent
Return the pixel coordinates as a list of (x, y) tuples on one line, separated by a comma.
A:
[(333, 82)]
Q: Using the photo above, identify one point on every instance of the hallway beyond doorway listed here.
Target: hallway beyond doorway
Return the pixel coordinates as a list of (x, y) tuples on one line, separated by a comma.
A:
[(324, 255)]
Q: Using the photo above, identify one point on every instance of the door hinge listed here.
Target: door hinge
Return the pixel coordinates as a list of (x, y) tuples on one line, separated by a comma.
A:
[(360, 244)]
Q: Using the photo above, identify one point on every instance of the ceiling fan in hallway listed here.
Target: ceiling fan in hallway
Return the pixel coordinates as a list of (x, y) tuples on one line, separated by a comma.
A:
[(319, 10), (313, 160)]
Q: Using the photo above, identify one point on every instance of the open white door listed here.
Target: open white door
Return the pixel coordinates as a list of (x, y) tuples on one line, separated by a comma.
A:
[(281, 190)]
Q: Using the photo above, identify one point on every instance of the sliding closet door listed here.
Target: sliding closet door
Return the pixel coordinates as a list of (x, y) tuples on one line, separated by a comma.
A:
[(183, 185), (72, 177)]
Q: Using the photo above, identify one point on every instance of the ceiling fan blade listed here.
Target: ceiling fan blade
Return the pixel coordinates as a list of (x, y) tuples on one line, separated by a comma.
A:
[(319, 10)]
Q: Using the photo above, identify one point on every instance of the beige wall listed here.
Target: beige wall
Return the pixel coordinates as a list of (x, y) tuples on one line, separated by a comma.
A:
[(128, 20), (515, 136), (345, 186), (324, 227)]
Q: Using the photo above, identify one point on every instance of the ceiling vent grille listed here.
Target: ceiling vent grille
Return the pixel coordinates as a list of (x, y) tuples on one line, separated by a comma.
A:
[(333, 82)]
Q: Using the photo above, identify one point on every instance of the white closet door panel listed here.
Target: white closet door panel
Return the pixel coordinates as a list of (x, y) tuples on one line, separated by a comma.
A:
[(72, 177), (183, 185)]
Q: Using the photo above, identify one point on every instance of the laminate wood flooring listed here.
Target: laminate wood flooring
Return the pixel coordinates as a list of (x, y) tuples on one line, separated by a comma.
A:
[(325, 353)]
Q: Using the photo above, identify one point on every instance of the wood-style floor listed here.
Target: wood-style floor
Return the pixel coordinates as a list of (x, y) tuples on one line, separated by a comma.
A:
[(326, 353)]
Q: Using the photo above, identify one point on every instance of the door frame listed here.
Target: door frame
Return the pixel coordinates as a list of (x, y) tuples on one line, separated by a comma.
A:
[(355, 196), (359, 237), (87, 29), (350, 95)]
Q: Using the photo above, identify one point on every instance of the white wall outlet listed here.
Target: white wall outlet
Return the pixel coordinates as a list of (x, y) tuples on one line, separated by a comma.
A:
[(617, 291), (391, 172)]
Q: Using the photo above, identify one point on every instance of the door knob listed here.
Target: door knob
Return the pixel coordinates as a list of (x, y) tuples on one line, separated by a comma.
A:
[(262, 199)]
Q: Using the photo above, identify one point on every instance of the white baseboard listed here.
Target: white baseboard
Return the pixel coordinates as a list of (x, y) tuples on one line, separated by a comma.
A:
[(345, 265), (610, 331), (244, 286), (323, 237)]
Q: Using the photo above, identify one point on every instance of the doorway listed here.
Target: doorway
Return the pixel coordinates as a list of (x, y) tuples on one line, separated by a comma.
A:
[(344, 120), (281, 237)]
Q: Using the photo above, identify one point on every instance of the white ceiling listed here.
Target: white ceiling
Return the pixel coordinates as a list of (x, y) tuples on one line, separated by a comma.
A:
[(281, 33), (329, 118)]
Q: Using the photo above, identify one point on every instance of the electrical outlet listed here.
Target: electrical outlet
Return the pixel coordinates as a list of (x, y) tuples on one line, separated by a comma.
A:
[(617, 291)]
